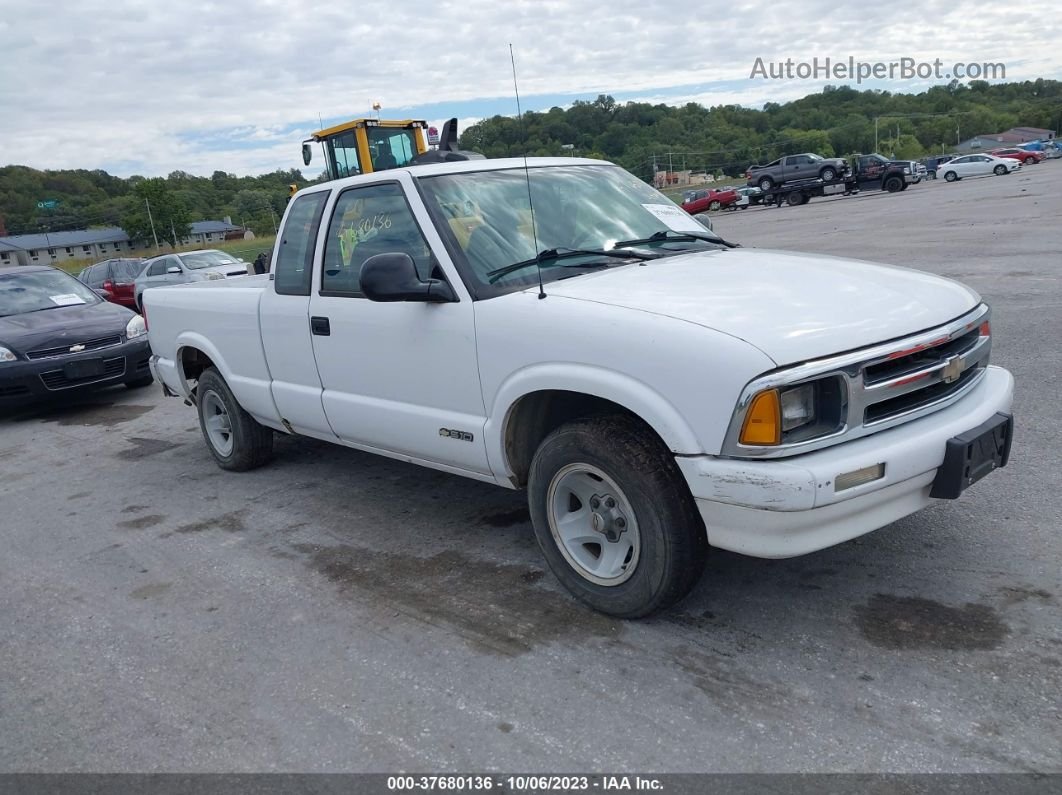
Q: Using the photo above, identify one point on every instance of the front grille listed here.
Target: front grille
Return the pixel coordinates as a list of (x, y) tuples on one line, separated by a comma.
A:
[(56, 379), (912, 401), (64, 350), (904, 363), (919, 376)]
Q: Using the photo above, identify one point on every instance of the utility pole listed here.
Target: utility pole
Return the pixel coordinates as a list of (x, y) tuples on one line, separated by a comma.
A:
[(876, 132), (174, 233), (273, 216), (152, 222)]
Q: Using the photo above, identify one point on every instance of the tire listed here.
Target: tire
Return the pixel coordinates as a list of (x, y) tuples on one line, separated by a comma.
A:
[(714, 205), (828, 174), (1029, 161), (905, 186), (237, 442), (950, 176), (765, 184), (655, 545), (140, 383), (893, 184), (795, 199), (1000, 170)]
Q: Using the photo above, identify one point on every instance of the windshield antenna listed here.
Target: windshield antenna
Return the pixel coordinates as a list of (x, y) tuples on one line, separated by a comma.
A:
[(527, 175)]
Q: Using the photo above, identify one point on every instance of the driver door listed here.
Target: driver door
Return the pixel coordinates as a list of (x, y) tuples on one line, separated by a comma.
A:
[(401, 377)]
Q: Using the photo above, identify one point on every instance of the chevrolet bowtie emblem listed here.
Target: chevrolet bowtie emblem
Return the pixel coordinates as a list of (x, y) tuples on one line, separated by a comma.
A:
[(77, 348), (953, 367)]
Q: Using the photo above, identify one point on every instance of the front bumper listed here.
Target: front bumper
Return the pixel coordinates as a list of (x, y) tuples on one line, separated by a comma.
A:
[(25, 380), (788, 507)]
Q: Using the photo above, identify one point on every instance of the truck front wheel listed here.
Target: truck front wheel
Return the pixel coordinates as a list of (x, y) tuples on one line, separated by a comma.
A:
[(233, 436), (893, 184), (614, 517)]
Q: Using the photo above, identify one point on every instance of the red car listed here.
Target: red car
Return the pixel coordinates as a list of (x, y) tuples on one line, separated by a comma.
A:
[(116, 277), (704, 200), (1026, 156)]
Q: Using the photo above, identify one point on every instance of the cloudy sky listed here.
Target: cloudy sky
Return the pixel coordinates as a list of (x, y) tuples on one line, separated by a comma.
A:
[(149, 87)]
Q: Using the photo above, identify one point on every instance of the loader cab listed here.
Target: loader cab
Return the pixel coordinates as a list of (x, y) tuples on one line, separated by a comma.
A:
[(363, 146)]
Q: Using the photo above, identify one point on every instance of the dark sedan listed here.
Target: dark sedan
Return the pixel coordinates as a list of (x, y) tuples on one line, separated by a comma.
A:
[(57, 335)]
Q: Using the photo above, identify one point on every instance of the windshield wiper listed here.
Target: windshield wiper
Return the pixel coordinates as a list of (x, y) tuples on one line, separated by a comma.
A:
[(671, 236), (554, 254)]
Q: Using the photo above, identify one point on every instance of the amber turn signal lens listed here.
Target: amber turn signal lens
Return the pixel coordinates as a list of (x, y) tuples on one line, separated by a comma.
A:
[(986, 329), (763, 421)]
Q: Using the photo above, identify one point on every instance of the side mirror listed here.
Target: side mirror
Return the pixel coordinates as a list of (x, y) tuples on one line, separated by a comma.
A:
[(394, 277), (307, 154), (173, 269), (104, 294)]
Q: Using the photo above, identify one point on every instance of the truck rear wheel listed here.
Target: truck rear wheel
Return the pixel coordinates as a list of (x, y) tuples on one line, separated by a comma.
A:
[(766, 183), (794, 199), (235, 439), (614, 517)]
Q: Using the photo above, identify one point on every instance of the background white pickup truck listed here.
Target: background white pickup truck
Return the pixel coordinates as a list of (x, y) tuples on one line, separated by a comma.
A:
[(660, 392)]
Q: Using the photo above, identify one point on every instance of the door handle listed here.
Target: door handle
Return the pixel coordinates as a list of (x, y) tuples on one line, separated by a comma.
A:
[(320, 326)]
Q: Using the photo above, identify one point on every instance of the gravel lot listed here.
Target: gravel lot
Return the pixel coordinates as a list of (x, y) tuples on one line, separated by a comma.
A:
[(337, 611)]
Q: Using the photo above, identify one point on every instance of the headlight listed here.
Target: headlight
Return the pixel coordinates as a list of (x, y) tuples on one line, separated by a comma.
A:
[(787, 415), (214, 275), (136, 327), (6, 355)]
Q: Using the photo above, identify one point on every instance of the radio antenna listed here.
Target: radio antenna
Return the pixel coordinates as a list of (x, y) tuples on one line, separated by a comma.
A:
[(527, 176)]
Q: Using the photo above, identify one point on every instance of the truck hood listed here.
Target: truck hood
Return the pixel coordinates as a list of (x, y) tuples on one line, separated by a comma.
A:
[(793, 307)]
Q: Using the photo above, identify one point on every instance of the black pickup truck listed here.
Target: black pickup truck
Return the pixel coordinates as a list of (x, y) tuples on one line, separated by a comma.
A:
[(877, 171)]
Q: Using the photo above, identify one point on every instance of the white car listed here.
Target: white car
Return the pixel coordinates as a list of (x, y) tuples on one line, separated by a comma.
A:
[(655, 389), (185, 267), (976, 166)]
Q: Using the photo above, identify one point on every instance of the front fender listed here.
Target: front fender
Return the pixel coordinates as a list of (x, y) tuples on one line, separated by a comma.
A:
[(634, 395)]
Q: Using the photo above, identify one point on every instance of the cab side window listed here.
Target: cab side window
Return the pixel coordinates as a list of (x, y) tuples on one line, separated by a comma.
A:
[(158, 267), (294, 262), (365, 222)]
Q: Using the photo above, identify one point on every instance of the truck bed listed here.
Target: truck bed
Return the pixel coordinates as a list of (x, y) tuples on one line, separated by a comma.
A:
[(221, 318)]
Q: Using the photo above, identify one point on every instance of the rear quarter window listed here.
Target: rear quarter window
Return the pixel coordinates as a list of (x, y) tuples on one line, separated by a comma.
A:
[(293, 270)]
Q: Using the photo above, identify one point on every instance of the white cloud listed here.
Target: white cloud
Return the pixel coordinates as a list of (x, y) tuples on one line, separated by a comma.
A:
[(148, 87)]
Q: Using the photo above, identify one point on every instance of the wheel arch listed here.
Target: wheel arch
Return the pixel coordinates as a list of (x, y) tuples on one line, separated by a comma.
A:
[(195, 353), (531, 405)]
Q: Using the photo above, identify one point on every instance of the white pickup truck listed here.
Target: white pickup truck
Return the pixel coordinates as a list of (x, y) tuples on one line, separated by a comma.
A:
[(655, 389)]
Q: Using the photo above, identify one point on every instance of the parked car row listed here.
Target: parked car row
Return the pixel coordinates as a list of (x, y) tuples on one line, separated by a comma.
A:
[(124, 280), (92, 336)]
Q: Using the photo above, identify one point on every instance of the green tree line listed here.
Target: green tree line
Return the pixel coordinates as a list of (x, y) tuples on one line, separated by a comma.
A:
[(839, 121), (95, 198)]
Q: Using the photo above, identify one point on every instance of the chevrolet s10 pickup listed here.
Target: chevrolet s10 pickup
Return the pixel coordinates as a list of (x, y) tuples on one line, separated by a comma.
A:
[(559, 326)]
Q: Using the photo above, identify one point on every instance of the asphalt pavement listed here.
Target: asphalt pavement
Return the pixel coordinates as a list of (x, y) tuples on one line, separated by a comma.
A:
[(337, 611)]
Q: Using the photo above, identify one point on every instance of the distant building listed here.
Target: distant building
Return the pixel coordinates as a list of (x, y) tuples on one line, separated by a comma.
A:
[(55, 248), (1012, 137), (204, 232)]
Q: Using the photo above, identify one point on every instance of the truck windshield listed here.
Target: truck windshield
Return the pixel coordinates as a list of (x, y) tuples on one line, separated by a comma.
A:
[(488, 217)]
